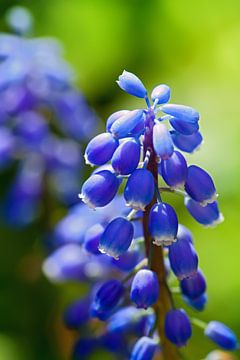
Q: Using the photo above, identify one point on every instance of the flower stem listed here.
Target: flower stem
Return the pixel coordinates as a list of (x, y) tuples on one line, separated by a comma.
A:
[(135, 270), (165, 302), (199, 323)]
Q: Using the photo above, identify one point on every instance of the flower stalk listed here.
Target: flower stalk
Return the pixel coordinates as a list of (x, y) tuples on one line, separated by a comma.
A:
[(165, 302)]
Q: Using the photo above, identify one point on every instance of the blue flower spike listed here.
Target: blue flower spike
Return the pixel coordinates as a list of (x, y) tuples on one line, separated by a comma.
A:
[(145, 245), (178, 327), (163, 224), (145, 288), (144, 349), (131, 84), (116, 238), (221, 335)]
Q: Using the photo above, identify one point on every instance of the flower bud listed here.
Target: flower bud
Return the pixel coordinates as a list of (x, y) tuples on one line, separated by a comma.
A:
[(130, 319), (184, 127), (131, 84), (85, 348), (206, 215), (182, 112), (145, 288), (183, 259), (77, 313), (92, 238), (139, 189), (100, 149), (200, 186), (124, 125), (144, 349), (195, 286), (198, 303), (126, 157), (174, 170), (163, 224), (178, 328), (107, 297), (117, 237), (112, 118), (221, 335), (184, 233), (162, 141), (99, 189), (187, 143), (161, 93)]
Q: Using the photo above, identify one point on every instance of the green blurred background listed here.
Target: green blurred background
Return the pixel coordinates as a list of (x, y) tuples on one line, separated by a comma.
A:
[(195, 48)]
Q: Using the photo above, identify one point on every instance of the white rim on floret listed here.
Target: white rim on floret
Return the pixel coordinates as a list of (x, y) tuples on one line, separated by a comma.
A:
[(87, 201), (87, 162), (216, 222), (136, 205), (210, 200), (110, 253), (163, 240)]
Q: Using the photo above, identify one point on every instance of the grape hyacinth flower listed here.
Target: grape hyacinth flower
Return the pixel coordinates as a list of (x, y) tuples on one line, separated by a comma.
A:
[(221, 335), (143, 249), (144, 289), (43, 116), (178, 327)]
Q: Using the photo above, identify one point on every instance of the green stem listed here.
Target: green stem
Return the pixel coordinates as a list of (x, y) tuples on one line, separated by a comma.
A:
[(199, 323), (135, 270)]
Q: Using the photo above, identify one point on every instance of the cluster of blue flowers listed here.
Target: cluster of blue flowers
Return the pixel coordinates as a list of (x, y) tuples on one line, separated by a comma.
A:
[(107, 247), (42, 119)]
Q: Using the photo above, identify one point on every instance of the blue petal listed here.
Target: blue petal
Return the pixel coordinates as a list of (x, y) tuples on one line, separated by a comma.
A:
[(145, 288), (126, 123), (200, 186), (182, 112), (178, 327), (184, 127), (131, 84), (139, 189), (222, 335), (100, 149), (161, 93), (163, 224), (117, 237), (174, 170), (126, 157), (187, 143), (162, 141)]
